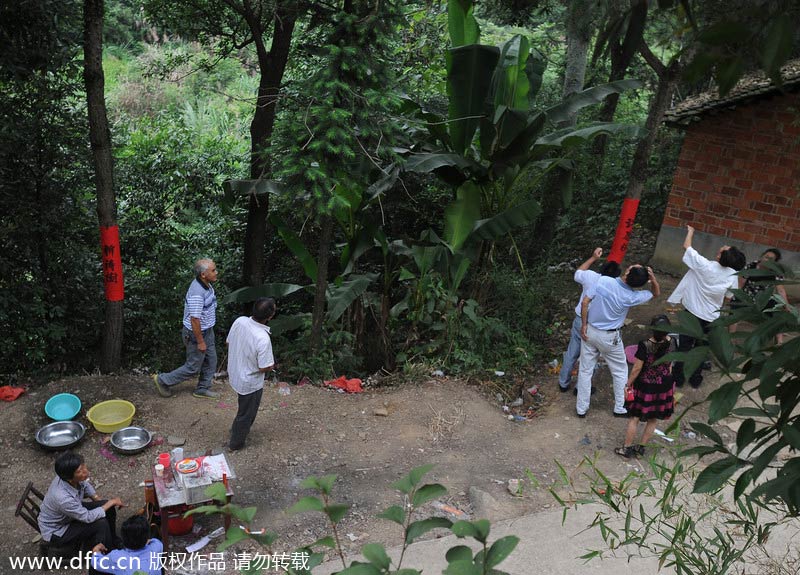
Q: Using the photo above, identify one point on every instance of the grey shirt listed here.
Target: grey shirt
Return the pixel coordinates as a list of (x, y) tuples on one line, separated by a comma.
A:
[(63, 504)]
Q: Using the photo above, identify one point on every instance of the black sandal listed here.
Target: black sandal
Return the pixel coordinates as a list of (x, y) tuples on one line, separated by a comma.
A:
[(627, 452), (639, 450)]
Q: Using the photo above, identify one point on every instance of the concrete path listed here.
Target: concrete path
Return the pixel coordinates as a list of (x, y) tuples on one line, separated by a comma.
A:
[(545, 547)]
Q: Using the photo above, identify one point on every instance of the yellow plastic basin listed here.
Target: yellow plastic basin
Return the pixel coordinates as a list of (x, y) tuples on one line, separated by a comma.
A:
[(110, 416)]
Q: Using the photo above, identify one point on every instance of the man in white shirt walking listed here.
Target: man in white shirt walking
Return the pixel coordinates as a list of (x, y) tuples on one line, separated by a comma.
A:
[(702, 291), (249, 358)]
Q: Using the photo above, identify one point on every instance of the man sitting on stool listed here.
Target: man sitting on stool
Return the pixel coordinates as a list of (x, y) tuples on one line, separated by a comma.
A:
[(66, 519)]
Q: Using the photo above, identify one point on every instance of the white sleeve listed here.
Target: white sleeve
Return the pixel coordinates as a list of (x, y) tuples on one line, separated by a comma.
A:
[(265, 358), (693, 259)]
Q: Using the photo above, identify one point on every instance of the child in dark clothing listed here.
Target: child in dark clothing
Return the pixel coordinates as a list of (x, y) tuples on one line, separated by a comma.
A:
[(649, 393)]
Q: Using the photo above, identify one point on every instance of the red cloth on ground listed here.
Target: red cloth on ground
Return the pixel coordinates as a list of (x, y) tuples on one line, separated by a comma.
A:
[(349, 385), (8, 393)]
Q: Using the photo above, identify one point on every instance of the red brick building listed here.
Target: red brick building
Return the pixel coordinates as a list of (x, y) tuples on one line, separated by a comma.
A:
[(738, 176)]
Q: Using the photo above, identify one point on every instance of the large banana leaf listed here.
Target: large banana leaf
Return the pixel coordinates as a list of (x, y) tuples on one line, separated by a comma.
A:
[(518, 149), (571, 137), (234, 189), (340, 297), (534, 68), (589, 97), (296, 246), (286, 323), (501, 131), (461, 23), (276, 290), (461, 215), (425, 163), (248, 187), (499, 225), (510, 82), (425, 257), (355, 248), (469, 77)]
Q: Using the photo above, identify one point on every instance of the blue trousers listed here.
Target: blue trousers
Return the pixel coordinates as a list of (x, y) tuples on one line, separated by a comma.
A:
[(572, 354), (202, 363)]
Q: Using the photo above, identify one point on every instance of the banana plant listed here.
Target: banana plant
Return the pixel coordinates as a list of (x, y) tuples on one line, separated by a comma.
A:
[(495, 135)]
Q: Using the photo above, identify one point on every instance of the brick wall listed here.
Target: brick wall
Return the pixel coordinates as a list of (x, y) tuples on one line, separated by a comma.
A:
[(738, 174)]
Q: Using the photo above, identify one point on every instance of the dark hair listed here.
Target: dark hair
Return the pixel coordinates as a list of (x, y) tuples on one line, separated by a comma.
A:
[(67, 464), (135, 532), (611, 269), (659, 321), (733, 258), (775, 251), (263, 309), (637, 276)]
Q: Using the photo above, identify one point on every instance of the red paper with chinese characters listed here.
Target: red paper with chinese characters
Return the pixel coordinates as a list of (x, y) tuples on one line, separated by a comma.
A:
[(624, 230), (112, 263)]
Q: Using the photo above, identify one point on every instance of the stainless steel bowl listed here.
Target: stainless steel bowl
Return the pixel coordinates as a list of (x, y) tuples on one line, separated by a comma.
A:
[(60, 435), (131, 440)]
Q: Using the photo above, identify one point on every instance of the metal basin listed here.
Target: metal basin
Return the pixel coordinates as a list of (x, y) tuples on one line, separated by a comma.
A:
[(60, 435), (131, 440)]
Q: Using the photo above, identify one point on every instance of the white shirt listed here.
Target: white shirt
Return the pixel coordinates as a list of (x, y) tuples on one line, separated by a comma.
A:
[(587, 278), (611, 300), (249, 350), (703, 288)]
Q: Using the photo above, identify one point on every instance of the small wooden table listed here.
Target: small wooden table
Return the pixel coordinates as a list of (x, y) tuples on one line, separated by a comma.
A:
[(170, 494)]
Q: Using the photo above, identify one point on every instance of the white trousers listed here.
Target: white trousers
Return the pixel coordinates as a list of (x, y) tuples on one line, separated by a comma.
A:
[(609, 346)]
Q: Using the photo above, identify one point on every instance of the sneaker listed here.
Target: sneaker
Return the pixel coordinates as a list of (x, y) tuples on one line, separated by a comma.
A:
[(205, 393), (626, 452), (581, 415), (615, 414), (162, 390), (563, 389)]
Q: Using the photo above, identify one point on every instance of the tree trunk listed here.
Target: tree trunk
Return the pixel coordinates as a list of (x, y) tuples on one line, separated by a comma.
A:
[(558, 186), (100, 138), (667, 82), (622, 54), (271, 65), (323, 255)]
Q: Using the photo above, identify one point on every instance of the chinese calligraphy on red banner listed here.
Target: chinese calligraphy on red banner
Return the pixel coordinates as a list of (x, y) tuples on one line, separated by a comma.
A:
[(112, 263)]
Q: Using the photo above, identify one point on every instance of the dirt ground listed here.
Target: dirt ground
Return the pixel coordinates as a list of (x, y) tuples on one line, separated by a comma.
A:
[(314, 431)]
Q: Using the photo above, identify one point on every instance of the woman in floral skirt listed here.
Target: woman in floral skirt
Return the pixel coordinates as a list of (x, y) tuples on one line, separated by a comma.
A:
[(649, 393)]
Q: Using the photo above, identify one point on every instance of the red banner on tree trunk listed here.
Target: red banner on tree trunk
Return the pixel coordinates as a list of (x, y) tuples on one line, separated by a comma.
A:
[(624, 229), (112, 263)]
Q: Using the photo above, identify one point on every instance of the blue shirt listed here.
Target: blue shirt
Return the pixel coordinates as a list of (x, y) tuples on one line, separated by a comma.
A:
[(127, 561), (611, 300), (587, 278), (201, 303)]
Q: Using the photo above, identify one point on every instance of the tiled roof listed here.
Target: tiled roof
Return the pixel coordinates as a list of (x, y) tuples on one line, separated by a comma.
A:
[(750, 86)]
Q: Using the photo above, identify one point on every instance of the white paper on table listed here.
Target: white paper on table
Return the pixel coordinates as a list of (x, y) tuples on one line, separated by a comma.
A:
[(214, 466), (198, 545)]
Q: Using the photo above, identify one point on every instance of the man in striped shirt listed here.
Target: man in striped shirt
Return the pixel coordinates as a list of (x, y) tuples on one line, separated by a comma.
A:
[(199, 317)]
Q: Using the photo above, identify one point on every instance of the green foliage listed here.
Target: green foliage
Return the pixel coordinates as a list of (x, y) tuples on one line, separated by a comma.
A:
[(51, 282), (697, 524), (168, 178), (415, 494)]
